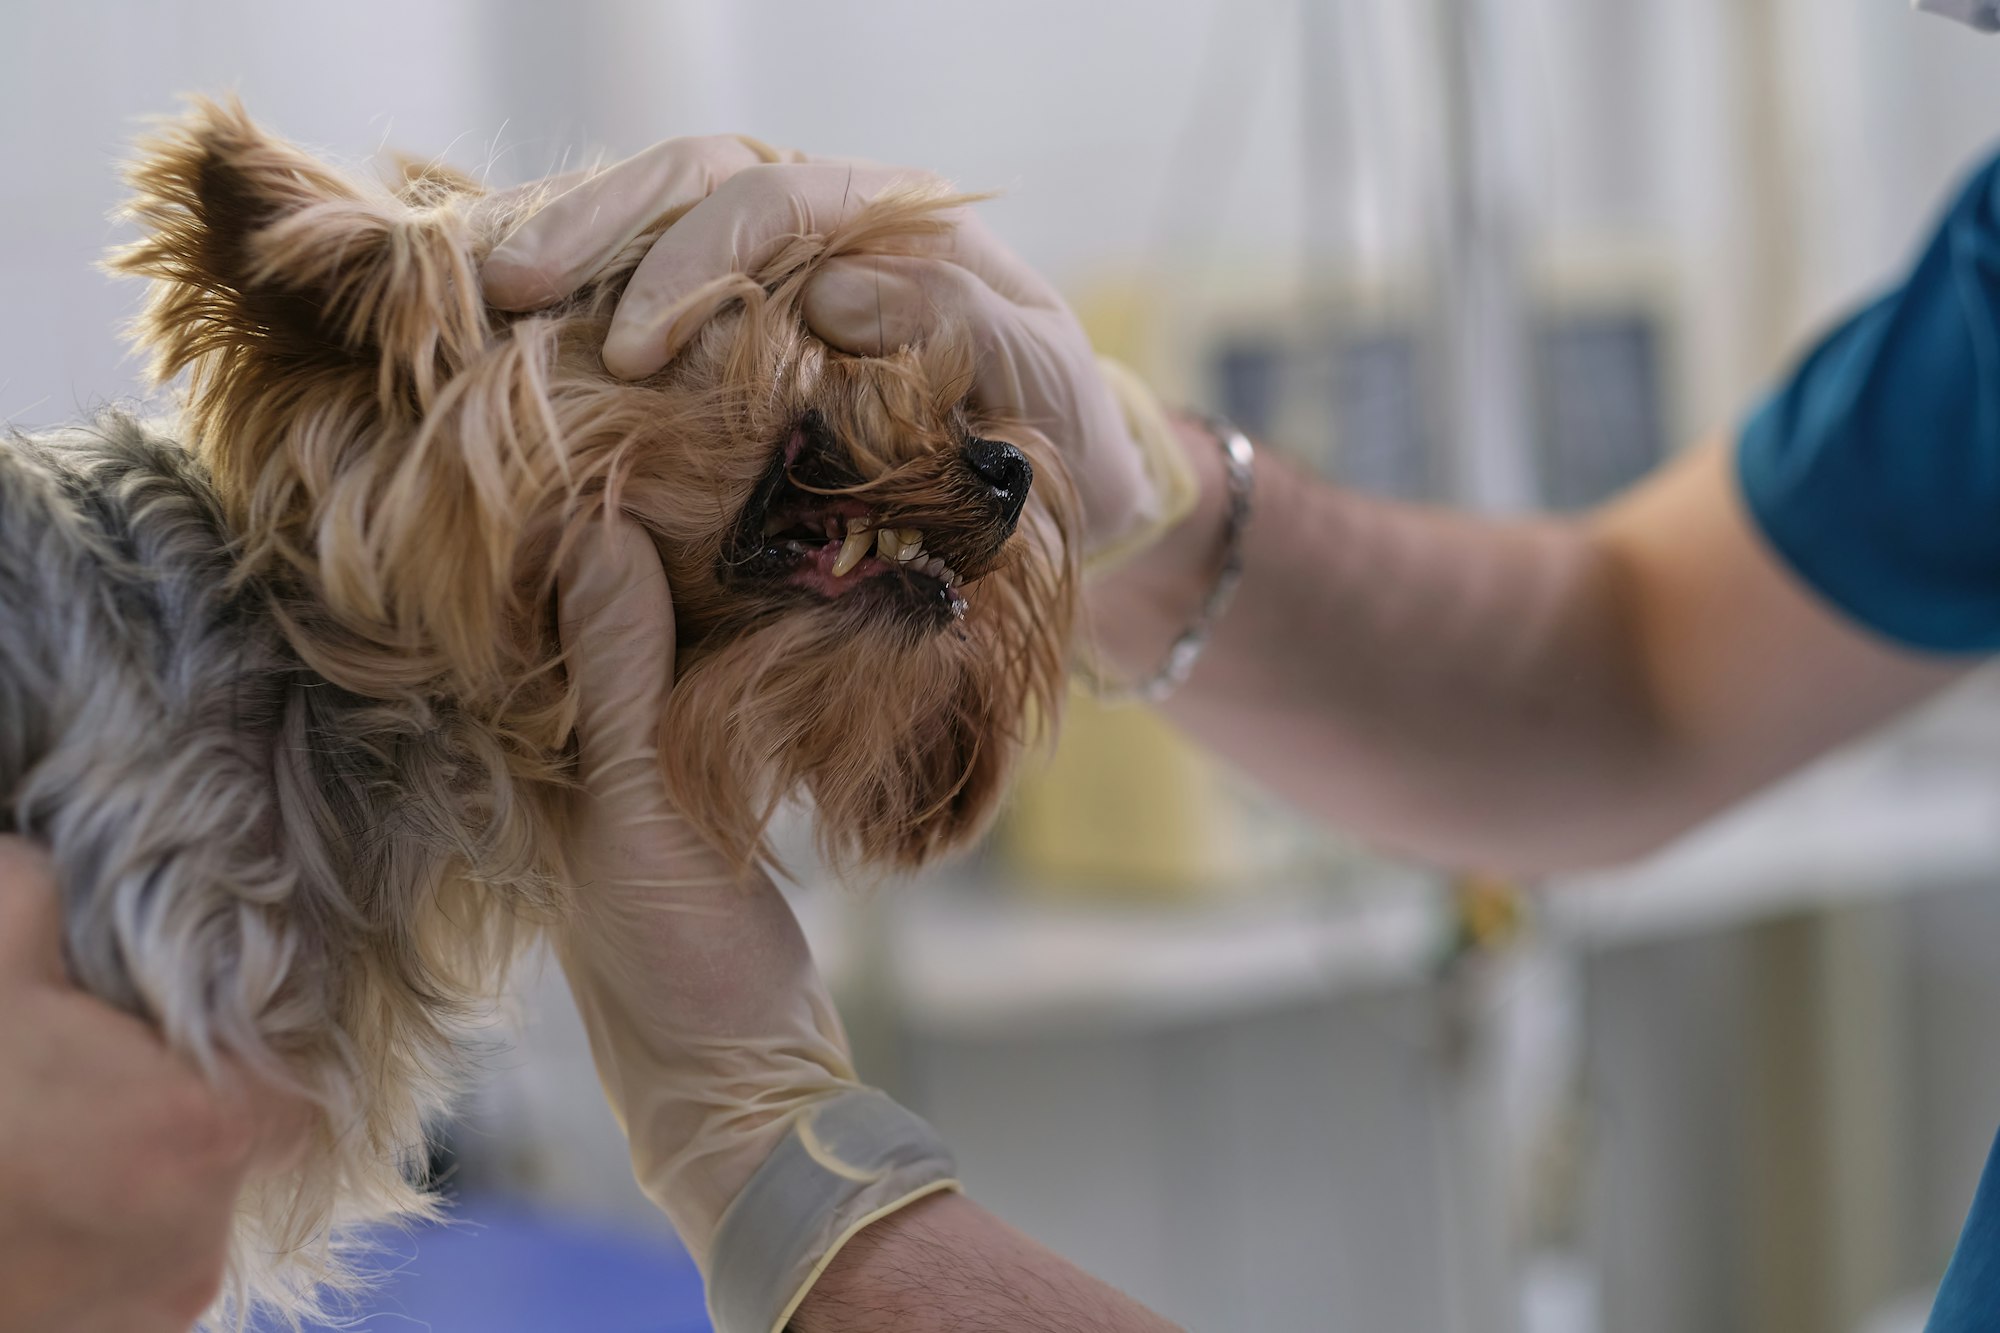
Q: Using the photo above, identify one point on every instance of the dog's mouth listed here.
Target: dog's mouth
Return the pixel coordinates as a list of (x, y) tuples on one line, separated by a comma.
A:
[(813, 526)]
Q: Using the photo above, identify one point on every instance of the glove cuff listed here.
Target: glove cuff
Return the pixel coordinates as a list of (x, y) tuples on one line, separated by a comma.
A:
[(844, 1163), (1175, 488)]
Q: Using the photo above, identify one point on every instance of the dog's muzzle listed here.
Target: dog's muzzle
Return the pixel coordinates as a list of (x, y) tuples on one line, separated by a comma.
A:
[(909, 541)]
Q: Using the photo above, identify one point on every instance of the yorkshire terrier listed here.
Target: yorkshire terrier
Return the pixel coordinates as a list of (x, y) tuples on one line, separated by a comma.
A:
[(286, 696)]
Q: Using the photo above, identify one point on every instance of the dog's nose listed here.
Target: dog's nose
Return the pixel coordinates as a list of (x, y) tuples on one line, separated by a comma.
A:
[(1005, 469)]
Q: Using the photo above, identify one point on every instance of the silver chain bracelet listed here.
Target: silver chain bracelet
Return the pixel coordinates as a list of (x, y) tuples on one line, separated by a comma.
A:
[(1238, 458)]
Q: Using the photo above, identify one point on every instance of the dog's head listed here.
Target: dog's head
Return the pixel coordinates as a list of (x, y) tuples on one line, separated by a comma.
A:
[(873, 602), (873, 581)]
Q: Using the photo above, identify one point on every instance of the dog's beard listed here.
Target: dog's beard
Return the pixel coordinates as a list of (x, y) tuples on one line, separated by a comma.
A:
[(897, 698), (894, 688)]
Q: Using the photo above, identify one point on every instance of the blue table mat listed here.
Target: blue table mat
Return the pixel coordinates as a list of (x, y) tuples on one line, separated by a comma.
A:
[(502, 1265)]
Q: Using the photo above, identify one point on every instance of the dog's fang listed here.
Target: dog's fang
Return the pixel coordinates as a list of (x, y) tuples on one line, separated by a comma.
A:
[(853, 550)]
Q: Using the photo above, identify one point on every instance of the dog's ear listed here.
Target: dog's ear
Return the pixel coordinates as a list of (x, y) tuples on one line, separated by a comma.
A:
[(363, 419), (268, 263)]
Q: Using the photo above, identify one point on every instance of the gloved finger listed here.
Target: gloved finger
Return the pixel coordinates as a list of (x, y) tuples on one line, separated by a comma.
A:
[(576, 233), (1031, 362), (739, 229), (31, 927), (972, 246), (872, 305), (615, 617)]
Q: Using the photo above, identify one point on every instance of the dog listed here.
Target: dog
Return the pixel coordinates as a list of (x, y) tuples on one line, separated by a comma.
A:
[(280, 682), (420, 461)]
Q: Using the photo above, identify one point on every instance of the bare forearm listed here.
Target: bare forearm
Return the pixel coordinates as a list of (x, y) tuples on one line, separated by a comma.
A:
[(1456, 687), (945, 1265), (1517, 695)]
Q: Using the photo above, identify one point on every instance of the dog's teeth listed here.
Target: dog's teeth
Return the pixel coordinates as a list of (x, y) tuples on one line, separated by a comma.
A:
[(853, 549), (888, 541), (950, 577), (911, 536), (934, 567)]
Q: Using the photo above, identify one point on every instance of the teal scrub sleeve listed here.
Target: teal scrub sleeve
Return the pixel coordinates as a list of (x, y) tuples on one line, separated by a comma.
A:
[(1874, 470), (1968, 1299)]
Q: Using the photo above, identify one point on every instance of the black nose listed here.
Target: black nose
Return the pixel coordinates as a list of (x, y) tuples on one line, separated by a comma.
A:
[(1005, 469)]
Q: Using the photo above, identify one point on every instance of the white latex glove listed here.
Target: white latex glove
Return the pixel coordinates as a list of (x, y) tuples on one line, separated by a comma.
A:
[(713, 1035), (736, 203)]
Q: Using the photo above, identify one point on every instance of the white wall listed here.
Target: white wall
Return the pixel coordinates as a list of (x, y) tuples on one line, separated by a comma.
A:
[(1167, 136), (1071, 108)]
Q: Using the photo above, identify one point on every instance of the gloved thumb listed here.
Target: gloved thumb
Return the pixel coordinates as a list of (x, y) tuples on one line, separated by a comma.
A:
[(874, 305), (30, 914), (871, 305), (615, 616)]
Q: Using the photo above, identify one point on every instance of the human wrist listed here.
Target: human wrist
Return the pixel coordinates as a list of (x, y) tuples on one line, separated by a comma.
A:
[(1134, 612), (946, 1265)]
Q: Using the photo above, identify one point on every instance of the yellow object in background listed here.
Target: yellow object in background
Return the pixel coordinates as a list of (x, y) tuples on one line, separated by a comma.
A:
[(1491, 913), (1126, 807)]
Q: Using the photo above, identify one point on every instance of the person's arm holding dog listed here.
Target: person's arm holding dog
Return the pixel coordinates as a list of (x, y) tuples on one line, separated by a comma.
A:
[(120, 1165), (1519, 695), (803, 1195)]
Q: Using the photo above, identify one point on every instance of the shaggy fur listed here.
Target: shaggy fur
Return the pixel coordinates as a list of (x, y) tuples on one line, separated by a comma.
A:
[(263, 865), (290, 709), (419, 460)]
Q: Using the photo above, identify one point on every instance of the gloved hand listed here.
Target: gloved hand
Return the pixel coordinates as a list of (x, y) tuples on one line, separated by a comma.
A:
[(713, 1035), (734, 203)]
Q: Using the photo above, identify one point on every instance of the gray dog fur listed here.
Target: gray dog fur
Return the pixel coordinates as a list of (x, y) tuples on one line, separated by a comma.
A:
[(249, 856)]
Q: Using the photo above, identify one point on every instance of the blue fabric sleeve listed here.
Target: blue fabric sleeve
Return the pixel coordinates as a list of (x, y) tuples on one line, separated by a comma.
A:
[(1968, 1299), (1875, 469)]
